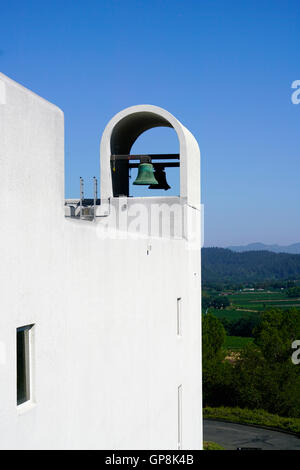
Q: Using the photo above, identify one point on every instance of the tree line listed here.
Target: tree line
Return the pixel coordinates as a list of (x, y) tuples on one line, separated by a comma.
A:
[(223, 267)]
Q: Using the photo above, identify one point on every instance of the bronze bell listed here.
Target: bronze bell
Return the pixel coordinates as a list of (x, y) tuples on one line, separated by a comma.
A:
[(160, 176), (145, 175)]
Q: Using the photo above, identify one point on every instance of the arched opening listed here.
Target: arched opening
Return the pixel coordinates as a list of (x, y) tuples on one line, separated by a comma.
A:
[(159, 140), (139, 138)]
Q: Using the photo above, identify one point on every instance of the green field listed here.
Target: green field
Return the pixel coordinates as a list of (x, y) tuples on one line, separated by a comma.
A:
[(261, 300), (245, 296), (235, 343), (245, 304), (231, 314)]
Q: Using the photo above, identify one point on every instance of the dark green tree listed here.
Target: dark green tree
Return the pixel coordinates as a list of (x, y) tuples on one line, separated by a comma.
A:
[(220, 302), (213, 337), (276, 332), (293, 292), (264, 376), (216, 372)]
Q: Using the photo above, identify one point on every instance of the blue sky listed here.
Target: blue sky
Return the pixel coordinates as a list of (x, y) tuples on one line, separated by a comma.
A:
[(223, 68)]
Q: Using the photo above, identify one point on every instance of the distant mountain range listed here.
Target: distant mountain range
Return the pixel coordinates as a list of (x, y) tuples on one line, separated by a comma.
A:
[(292, 249), (222, 265)]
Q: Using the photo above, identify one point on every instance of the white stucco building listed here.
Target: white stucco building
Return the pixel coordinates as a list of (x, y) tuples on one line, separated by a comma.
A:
[(100, 325)]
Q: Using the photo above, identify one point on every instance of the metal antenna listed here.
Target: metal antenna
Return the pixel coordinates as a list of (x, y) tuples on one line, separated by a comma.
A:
[(95, 195), (81, 195)]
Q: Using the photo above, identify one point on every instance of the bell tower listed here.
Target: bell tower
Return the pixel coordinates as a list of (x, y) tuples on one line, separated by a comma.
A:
[(167, 260), (118, 138)]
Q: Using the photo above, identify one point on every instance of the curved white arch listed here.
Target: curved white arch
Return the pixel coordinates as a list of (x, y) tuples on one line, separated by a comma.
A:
[(125, 127)]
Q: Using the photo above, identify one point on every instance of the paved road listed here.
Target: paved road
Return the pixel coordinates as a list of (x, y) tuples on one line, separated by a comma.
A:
[(230, 436)]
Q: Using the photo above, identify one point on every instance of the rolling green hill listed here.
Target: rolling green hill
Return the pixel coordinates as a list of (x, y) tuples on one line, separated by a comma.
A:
[(221, 265)]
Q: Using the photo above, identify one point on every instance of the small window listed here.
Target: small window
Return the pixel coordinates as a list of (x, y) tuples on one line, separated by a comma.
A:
[(179, 332), (179, 417), (23, 364)]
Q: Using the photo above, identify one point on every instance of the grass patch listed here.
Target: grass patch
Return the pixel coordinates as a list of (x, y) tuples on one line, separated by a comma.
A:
[(245, 304), (235, 343), (262, 300), (254, 417), (231, 314), (246, 297), (208, 445)]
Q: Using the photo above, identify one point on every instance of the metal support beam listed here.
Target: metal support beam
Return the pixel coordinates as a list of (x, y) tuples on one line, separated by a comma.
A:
[(95, 195), (153, 156), (157, 165)]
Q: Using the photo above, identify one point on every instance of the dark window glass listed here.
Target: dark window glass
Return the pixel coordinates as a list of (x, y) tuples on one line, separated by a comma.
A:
[(23, 364)]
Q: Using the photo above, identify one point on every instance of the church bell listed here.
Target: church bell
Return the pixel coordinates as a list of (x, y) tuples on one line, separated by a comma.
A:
[(146, 175), (160, 176)]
